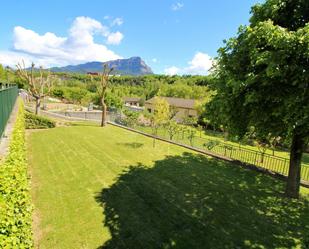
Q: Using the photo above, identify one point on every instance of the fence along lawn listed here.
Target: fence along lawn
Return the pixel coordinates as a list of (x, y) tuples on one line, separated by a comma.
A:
[(107, 186), (244, 153), (8, 97)]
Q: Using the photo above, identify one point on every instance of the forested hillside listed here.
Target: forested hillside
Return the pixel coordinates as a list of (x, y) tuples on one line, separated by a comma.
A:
[(81, 89)]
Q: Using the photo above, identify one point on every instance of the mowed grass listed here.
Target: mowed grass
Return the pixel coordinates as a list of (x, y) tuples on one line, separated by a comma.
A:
[(271, 163), (200, 137), (107, 187)]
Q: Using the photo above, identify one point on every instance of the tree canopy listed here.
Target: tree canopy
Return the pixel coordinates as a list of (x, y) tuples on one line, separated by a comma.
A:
[(263, 76)]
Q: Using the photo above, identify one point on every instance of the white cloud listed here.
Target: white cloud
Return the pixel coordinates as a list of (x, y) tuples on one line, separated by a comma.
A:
[(117, 21), (52, 50), (154, 60), (12, 58), (172, 70), (114, 38), (200, 64), (177, 6)]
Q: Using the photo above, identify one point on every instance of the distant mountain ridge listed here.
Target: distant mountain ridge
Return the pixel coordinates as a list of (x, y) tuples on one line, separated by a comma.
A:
[(130, 66)]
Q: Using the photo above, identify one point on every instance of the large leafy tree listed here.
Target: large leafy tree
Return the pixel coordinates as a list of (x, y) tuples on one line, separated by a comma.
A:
[(263, 80)]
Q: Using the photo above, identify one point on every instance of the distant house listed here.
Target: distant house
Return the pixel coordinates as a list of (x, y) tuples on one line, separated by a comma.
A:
[(184, 107), (131, 101), (92, 73)]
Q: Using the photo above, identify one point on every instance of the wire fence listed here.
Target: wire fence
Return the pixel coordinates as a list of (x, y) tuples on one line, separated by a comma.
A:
[(8, 95), (254, 157)]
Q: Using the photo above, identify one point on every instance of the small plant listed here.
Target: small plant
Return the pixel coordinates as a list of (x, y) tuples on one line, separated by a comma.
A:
[(172, 128), (211, 144), (159, 117), (200, 129), (191, 134)]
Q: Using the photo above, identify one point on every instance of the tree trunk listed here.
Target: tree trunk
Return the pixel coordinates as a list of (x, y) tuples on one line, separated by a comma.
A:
[(226, 135), (293, 182), (262, 157), (37, 105), (103, 121)]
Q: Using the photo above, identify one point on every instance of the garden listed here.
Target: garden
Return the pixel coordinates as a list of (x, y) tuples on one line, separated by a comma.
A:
[(110, 188), (149, 180)]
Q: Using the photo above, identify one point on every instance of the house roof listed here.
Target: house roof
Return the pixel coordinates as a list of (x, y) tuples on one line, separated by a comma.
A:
[(131, 99), (176, 102)]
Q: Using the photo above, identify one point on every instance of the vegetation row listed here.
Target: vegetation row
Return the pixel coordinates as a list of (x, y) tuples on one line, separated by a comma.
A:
[(15, 198)]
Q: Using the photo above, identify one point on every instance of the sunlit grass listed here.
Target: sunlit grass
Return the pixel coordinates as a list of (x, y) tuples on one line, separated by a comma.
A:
[(96, 186)]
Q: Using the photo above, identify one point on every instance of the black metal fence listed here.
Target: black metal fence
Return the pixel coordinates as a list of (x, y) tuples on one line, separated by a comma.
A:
[(258, 158)]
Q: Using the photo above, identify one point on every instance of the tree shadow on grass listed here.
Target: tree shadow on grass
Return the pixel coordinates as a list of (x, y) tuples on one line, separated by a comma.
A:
[(191, 201), (133, 145)]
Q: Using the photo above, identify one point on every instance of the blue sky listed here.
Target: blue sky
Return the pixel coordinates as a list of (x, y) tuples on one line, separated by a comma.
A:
[(171, 36)]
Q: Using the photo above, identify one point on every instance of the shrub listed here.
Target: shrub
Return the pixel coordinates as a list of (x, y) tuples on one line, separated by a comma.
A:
[(38, 122), (131, 117), (74, 94), (15, 199), (58, 92)]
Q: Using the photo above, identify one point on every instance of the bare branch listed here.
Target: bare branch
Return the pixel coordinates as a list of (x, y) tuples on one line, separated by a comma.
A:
[(39, 86)]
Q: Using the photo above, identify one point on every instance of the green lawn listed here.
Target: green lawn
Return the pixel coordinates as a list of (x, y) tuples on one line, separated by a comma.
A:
[(108, 188), (200, 136), (245, 153)]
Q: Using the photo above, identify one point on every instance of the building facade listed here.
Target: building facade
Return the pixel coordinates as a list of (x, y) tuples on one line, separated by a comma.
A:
[(184, 108)]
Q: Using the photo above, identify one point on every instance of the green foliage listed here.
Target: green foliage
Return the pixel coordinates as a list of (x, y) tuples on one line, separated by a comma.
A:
[(38, 122), (74, 94), (2, 73), (15, 199), (189, 120), (141, 102), (145, 87), (8, 76), (263, 79), (161, 112), (172, 128), (131, 117), (190, 131), (113, 100), (166, 196), (211, 144), (291, 14), (58, 92)]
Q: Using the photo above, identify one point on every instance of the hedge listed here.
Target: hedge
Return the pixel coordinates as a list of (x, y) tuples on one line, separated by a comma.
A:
[(15, 198), (38, 122)]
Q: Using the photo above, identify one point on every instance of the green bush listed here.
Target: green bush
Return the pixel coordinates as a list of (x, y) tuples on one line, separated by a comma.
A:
[(38, 122), (15, 198)]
